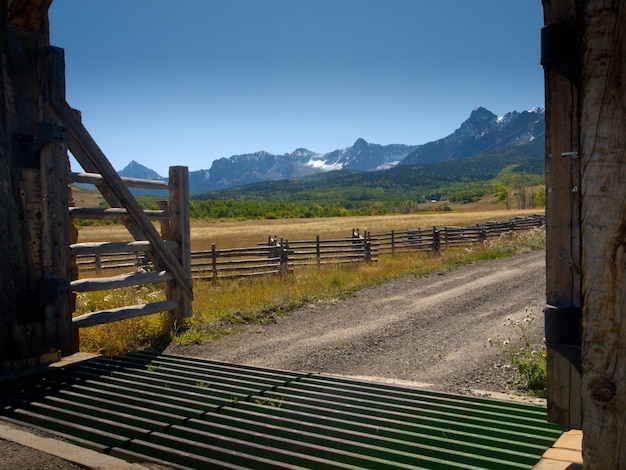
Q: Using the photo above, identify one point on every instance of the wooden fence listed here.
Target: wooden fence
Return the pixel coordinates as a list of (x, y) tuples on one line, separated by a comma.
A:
[(135, 259), (435, 239), (276, 256)]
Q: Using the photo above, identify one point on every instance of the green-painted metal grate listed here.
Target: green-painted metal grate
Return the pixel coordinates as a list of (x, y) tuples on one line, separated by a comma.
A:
[(194, 413)]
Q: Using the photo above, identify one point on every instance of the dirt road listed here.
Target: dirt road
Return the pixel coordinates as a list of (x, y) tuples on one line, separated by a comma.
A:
[(430, 331)]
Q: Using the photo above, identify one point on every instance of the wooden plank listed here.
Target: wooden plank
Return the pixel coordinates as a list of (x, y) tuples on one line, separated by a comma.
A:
[(91, 156), (563, 262), (96, 179), (30, 199), (56, 260), (92, 248), (115, 213), (116, 282), (603, 191), (180, 231), (124, 313)]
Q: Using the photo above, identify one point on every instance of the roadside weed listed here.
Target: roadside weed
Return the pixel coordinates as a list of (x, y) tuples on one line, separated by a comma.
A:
[(527, 359)]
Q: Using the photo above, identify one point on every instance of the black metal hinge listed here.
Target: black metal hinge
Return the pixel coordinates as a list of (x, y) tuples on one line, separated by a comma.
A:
[(561, 50), (26, 146), (563, 327)]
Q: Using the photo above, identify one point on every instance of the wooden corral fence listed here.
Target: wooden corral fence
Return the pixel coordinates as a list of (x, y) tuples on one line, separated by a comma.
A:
[(173, 216), (276, 256), (435, 239)]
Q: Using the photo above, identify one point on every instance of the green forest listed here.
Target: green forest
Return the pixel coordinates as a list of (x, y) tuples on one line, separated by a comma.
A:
[(403, 189)]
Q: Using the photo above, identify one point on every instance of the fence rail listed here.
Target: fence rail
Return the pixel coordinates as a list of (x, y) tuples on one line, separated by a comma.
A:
[(276, 256), (435, 239)]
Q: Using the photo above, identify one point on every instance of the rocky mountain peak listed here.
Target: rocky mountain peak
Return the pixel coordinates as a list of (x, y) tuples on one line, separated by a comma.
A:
[(481, 132), (137, 170)]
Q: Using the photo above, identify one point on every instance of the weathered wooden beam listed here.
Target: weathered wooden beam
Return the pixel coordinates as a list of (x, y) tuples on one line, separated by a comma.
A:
[(115, 213), (55, 243), (96, 179), (180, 232), (123, 313), (80, 137), (116, 282), (603, 191), (28, 14), (93, 248), (560, 57)]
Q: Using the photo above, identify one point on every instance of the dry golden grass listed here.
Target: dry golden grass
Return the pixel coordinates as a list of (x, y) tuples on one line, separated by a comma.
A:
[(250, 232), (86, 197)]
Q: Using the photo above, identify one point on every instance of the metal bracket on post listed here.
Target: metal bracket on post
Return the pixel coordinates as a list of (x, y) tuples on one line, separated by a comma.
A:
[(26, 146), (50, 289), (47, 133), (563, 327), (560, 50)]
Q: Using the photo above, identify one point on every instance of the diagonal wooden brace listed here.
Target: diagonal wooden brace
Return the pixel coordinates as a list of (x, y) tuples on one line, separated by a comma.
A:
[(79, 136)]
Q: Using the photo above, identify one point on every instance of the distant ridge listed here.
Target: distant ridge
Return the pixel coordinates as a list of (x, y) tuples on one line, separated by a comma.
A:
[(483, 131)]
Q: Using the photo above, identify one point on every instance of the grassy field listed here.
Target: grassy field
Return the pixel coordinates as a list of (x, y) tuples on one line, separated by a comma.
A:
[(219, 308), (250, 232)]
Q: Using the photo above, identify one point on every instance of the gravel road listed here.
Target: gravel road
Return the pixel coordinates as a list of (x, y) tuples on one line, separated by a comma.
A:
[(427, 331)]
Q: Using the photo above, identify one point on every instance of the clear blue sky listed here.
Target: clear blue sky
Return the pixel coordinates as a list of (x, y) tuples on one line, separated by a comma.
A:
[(185, 82)]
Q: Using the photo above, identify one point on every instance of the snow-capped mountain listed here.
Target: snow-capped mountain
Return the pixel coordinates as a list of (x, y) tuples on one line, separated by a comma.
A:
[(481, 132), (367, 157), (239, 170)]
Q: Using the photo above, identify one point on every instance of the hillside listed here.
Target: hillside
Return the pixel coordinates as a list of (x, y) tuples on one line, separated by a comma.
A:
[(482, 132), (456, 180)]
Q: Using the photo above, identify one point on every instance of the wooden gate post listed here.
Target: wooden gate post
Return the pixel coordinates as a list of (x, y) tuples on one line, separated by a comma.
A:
[(35, 303), (560, 57), (180, 232)]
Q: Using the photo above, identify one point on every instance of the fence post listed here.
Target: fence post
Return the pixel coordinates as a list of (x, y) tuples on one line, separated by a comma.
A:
[(367, 248), (284, 256), (214, 261), (436, 240), (483, 234), (393, 241), (318, 251), (180, 231), (98, 262)]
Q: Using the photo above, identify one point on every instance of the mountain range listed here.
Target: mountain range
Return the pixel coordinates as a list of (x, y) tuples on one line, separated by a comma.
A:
[(483, 131)]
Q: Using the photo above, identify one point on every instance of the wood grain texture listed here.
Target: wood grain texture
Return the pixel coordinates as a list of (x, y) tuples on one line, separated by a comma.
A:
[(562, 169), (604, 235)]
